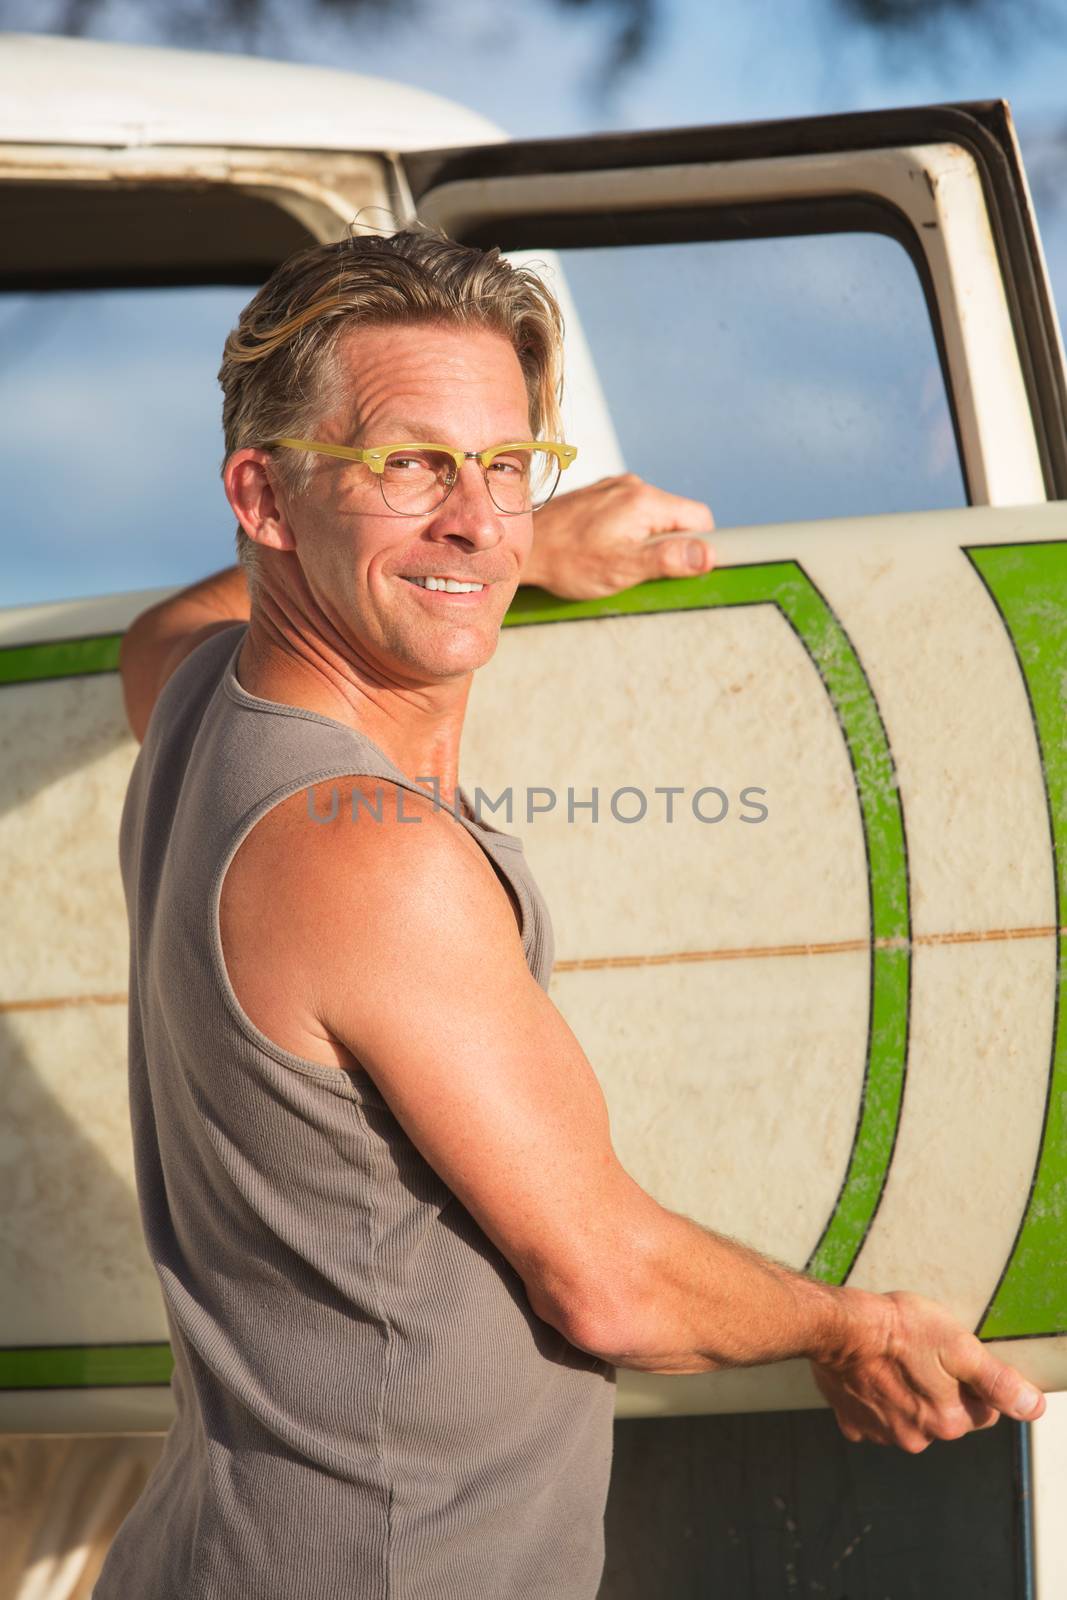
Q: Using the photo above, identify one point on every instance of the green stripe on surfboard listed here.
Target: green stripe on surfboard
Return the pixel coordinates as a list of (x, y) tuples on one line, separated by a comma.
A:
[(90, 1366), (1028, 583), (786, 585), (59, 658)]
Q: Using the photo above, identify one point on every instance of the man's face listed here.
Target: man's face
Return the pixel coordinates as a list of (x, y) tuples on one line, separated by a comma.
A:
[(419, 384)]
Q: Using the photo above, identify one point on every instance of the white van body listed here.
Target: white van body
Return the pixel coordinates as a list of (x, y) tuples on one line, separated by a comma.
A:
[(853, 1054)]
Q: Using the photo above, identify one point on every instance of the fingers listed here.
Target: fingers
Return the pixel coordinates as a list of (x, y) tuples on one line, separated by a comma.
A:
[(676, 555), (661, 510), (914, 1435), (935, 1382), (981, 1415), (994, 1383), (617, 533), (866, 1427)]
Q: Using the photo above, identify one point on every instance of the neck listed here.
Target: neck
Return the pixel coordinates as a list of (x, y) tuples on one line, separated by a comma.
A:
[(417, 725)]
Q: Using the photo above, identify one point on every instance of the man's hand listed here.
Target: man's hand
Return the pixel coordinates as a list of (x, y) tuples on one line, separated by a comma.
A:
[(609, 536), (912, 1374)]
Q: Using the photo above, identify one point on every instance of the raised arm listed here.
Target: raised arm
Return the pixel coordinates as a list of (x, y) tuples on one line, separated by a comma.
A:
[(593, 541), (161, 637), (428, 988)]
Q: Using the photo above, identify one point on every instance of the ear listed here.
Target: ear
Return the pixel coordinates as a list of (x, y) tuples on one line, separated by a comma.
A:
[(257, 498)]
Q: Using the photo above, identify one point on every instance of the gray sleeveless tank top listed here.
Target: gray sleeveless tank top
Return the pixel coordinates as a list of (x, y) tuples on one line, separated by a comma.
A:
[(367, 1406)]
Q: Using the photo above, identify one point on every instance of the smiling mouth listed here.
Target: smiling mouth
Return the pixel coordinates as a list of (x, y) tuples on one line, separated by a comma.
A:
[(446, 585)]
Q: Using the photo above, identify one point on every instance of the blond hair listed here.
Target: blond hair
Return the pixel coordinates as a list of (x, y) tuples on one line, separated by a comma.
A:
[(280, 373)]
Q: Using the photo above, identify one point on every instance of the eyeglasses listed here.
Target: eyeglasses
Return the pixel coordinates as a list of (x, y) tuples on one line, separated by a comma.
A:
[(416, 478)]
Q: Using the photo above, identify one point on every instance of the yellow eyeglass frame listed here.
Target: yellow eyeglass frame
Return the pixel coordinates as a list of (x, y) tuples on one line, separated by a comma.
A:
[(375, 456)]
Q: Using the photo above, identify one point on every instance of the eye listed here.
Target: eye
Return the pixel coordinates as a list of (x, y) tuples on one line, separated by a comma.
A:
[(508, 466), (420, 463)]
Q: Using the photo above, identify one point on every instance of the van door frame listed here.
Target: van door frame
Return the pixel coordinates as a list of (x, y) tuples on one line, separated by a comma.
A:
[(946, 181)]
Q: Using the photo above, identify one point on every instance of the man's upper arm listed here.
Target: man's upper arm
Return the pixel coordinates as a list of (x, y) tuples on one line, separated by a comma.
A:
[(152, 647), (428, 987)]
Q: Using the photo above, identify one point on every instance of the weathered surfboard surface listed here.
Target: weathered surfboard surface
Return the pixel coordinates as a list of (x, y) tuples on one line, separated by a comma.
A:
[(832, 1033)]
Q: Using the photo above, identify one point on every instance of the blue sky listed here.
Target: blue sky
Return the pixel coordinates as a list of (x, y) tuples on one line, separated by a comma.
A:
[(736, 60), (528, 63)]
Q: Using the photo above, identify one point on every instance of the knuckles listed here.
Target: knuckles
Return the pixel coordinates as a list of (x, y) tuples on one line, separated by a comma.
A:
[(953, 1427)]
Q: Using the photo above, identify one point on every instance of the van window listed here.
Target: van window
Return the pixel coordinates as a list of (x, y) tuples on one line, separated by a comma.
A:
[(779, 379), (111, 439)]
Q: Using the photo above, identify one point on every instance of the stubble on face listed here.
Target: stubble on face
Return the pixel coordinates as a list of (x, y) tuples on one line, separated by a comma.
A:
[(431, 384)]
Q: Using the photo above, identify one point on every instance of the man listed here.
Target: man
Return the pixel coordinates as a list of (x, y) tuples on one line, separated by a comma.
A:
[(400, 1258)]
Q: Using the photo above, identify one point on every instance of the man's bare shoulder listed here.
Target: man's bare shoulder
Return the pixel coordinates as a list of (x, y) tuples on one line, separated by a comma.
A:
[(313, 898), (363, 842), (380, 827)]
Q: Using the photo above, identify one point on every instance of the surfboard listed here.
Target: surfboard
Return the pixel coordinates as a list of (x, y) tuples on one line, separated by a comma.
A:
[(802, 828)]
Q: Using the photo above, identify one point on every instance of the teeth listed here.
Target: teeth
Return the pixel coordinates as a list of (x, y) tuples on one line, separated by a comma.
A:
[(450, 585)]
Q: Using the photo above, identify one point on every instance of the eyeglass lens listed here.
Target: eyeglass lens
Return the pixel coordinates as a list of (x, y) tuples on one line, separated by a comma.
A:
[(415, 481)]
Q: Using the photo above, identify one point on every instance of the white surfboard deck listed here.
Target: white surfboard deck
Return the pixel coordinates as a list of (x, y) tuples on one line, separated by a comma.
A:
[(832, 1033)]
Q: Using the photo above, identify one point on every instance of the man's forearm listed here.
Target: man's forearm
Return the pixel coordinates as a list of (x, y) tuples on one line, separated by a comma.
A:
[(705, 1302), (156, 638)]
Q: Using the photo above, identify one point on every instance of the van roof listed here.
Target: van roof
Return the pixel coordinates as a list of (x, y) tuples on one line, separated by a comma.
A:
[(56, 90)]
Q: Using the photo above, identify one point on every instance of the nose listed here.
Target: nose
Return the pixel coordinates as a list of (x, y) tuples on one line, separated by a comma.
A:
[(469, 516)]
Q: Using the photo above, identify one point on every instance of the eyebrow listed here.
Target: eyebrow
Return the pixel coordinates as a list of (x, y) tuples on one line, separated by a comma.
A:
[(414, 431), (423, 433)]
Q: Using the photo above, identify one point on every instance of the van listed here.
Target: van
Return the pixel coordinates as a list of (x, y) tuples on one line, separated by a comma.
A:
[(815, 945)]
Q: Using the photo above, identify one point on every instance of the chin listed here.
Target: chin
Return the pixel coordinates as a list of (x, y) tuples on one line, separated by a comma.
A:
[(458, 662)]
